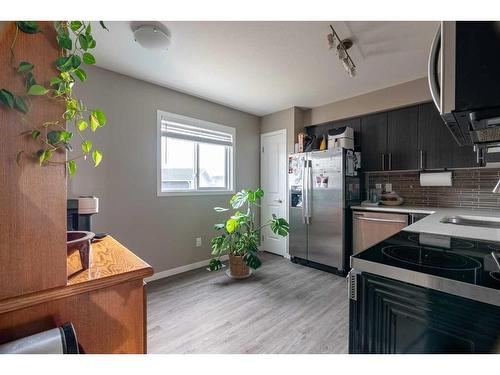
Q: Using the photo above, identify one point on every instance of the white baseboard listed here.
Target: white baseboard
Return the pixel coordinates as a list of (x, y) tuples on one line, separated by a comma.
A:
[(181, 269)]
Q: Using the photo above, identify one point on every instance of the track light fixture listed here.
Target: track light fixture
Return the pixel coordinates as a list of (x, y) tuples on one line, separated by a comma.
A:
[(341, 47)]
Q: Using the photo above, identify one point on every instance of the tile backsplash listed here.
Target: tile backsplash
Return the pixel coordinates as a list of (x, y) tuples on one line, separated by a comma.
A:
[(471, 188)]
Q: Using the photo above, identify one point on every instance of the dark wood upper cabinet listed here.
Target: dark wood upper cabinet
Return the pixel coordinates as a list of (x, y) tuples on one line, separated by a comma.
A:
[(409, 138), (374, 142), (437, 147), (402, 151)]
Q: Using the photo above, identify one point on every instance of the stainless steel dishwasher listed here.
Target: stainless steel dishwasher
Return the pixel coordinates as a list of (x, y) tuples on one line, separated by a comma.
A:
[(370, 228)]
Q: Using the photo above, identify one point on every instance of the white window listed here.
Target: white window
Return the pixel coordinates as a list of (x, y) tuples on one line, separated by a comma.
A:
[(194, 156)]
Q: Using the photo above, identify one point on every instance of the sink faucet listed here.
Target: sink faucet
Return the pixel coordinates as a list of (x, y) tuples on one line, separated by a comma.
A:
[(496, 189)]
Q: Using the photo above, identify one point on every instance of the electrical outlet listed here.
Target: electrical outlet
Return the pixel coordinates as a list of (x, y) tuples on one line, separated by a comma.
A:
[(198, 241), (388, 188), (378, 186)]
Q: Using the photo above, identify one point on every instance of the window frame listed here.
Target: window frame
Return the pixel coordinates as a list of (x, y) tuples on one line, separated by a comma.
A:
[(230, 157)]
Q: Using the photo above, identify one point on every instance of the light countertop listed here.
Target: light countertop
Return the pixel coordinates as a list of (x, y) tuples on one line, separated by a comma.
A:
[(432, 223)]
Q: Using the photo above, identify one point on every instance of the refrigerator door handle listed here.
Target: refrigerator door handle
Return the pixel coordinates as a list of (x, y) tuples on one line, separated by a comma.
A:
[(309, 192), (303, 193)]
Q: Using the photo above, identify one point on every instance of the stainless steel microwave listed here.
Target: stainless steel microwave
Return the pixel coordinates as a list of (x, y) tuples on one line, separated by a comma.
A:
[(464, 79)]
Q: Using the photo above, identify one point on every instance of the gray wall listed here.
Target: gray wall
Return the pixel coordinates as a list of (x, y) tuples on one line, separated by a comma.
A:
[(404, 94), (161, 230), (291, 119)]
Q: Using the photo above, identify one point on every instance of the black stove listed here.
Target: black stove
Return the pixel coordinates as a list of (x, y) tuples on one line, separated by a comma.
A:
[(465, 260)]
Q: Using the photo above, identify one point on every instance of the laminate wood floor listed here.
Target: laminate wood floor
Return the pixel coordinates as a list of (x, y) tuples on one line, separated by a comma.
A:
[(282, 308)]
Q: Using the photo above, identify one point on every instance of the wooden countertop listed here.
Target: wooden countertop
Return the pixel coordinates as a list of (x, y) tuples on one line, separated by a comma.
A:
[(111, 263)]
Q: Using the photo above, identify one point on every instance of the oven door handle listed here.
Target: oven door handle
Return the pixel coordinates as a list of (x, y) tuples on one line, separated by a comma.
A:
[(379, 220)]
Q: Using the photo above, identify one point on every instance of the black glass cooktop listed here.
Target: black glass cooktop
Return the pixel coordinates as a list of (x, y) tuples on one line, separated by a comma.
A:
[(466, 260)]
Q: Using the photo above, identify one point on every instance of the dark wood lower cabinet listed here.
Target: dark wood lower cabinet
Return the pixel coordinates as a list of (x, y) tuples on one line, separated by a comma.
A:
[(394, 317)]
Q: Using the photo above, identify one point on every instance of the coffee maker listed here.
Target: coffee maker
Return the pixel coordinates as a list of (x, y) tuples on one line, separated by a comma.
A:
[(80, 211)]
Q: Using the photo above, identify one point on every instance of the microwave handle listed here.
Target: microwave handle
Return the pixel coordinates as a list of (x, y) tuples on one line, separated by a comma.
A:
[(432, 71)]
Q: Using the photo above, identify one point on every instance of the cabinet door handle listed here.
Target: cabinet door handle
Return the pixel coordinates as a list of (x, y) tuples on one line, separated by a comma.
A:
[(421, 161), (383, 162), (390, 161)]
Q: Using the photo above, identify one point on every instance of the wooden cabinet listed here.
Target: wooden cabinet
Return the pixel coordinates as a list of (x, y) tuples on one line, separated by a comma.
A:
[(436, 146), (374, 142), (389, 316), (106, 304), (32, 199), (402, 131)]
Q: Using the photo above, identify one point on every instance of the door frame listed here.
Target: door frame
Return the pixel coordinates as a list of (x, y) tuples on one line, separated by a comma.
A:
[(284, 134)]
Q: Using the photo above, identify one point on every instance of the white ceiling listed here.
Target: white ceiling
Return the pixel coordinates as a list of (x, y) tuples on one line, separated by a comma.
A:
[(264, 67)]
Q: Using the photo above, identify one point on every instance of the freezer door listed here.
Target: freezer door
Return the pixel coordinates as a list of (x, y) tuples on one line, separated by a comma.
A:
[(297, 238), (326, 209)]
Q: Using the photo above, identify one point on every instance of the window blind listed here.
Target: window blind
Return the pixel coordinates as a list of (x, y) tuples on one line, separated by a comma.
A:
[(178, 130)]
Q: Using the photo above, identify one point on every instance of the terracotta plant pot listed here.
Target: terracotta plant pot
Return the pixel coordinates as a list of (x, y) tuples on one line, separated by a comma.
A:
[(237, 267)]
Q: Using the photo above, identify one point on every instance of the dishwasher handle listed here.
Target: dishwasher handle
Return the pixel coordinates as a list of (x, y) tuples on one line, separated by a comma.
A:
[(359, 217)]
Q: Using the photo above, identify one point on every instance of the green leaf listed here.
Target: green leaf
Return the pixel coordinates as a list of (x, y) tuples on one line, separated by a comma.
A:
[(92, 42), (35, 133), (30, 80), (252, 260), (28, 27), (64, 41), (37, 90), (97, 118), (97, 157), (44, 155), (71, 167), (259, 193), (75, 25), (219, 226), (20, 104), (65, 136), (55, 80), (64, 63), (80, 73), (231, 225), (103, 25), (81, 125), (239, 199), (53, 137), (84, 44), (94, 123), (7, 98), (88, 29), (86, 146), (280, 226), (220, 209), (76, 61), (25, 66), (214, 265), (88, 58)]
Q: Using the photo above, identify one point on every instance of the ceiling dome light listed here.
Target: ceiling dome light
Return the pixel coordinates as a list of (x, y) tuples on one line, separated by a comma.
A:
[(151, 37)]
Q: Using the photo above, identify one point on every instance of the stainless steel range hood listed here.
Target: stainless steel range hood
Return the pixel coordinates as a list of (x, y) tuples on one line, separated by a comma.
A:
[(464, 76)]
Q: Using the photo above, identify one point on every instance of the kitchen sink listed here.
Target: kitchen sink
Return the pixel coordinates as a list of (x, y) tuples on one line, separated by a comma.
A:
[(473, 221)]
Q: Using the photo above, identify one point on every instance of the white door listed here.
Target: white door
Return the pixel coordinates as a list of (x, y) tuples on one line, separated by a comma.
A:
[(273, 179)]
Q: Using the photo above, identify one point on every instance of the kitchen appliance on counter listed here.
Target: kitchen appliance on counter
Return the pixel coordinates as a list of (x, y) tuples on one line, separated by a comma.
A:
[(80, 211), (342, 137), (463, 73), (425, 293), (321, 192)]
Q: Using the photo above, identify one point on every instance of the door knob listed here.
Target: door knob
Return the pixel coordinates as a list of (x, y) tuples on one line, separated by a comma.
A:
[(278, 200)]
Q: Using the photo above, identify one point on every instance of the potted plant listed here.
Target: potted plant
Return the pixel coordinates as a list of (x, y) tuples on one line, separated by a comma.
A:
[(240, 237)]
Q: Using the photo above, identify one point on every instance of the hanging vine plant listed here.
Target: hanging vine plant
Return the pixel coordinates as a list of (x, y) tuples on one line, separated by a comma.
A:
[(76, 41)]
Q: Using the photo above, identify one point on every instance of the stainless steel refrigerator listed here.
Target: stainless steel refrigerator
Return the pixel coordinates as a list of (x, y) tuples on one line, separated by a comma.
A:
[(322, 185)]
